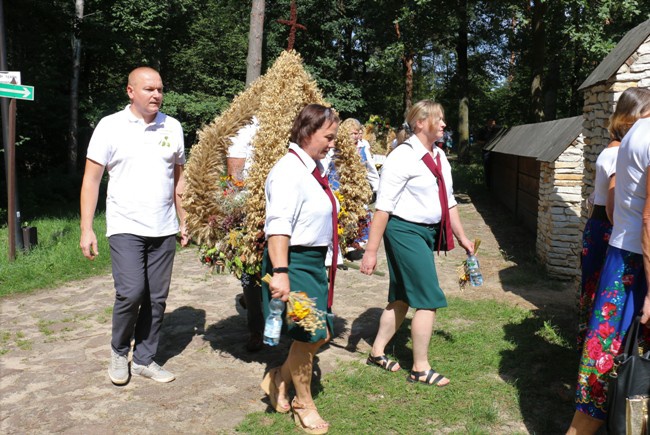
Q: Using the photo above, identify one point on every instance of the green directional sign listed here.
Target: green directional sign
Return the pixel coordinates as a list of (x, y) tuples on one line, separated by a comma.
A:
[(20, 92)]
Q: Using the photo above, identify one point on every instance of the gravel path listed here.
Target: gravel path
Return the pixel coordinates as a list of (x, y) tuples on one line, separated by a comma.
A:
[(54, 347)]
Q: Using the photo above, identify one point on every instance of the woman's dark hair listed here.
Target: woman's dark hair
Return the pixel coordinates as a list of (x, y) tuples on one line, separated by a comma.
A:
[(309, 120)]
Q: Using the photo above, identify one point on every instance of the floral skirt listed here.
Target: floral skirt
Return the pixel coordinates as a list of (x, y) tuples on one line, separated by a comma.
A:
[(595, 240), (618, 300)]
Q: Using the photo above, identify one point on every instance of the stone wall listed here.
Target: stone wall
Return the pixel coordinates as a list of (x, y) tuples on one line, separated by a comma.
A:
[(559, 226), (600, 102)]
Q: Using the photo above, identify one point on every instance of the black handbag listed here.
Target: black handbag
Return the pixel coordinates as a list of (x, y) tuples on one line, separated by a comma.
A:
[(630, 377)]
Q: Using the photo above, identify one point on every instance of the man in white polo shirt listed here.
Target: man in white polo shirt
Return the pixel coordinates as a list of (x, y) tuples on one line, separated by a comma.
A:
[(143, 151)]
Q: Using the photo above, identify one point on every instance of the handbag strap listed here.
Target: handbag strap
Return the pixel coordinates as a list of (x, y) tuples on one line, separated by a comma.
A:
[(632, 338)]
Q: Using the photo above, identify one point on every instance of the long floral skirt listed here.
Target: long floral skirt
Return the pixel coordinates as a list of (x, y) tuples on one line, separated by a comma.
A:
[(618, 300), (595, 240)]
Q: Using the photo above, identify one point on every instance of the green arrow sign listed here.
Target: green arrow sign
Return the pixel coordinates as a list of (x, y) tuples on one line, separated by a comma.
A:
[(20, 92)]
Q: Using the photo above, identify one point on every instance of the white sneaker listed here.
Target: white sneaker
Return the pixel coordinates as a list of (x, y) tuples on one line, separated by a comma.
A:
[(152, 371), (118, 370)]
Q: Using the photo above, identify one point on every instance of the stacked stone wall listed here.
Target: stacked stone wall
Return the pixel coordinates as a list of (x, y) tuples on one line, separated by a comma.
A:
[(559, 228)]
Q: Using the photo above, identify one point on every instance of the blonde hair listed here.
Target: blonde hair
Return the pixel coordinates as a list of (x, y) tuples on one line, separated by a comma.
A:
[(422, 110), (632, 104)]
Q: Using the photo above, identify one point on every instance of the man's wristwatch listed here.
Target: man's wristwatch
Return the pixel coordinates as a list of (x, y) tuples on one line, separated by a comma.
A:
[(280, 270)]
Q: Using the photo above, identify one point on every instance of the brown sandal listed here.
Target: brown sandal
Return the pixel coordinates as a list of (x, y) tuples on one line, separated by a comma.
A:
[(383, 362), (271, 389), (321, 427)]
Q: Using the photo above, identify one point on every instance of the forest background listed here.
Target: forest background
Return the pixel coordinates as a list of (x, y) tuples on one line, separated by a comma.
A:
[(518, 61)]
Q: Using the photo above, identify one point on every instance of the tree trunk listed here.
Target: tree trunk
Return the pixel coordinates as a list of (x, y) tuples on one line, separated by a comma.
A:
[(538, 59), (463, 98), (408, 81), (255, 38), (73, 146)]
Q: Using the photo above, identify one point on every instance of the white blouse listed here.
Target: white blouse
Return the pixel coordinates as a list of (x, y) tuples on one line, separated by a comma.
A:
[(407, 187), (605, 168), (296, 204)]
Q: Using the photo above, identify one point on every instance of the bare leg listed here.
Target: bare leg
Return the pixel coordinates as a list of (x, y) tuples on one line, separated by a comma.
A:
[(390, 321), (583, 424), (421, 330), (299, 365)]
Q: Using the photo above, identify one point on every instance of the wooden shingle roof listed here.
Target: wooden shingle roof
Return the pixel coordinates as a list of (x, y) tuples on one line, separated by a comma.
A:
[(617, 57), (544, 141)]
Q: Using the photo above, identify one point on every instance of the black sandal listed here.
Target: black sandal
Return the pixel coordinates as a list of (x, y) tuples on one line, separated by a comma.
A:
[(415, 378), (382, 362)]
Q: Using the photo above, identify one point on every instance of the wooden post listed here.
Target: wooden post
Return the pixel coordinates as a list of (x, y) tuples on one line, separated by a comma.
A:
[(11, 180)]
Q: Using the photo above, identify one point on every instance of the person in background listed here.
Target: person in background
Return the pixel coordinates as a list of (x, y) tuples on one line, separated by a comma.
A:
[(365, 153), (301, 223), (143, 151), (622, 292), (485, 135), (356, 247), (239, 162), (414, 203), (595, 237)]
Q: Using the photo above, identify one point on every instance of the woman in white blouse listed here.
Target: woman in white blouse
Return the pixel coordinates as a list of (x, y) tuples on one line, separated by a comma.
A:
[(300, 226), (410, 210)]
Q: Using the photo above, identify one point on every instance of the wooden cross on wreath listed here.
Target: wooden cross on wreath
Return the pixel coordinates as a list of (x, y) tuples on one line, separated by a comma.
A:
[(293, 24)]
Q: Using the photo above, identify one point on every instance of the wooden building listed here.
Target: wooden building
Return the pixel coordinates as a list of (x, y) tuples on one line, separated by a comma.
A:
[(536, 171)]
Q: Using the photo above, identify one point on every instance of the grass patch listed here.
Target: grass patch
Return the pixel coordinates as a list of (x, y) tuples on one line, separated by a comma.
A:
[(106, 315), (44, 327), (497, 358), (22, 342), (55, 260)]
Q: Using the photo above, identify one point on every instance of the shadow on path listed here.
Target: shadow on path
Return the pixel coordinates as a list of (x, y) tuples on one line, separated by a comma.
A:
[(178, 329)]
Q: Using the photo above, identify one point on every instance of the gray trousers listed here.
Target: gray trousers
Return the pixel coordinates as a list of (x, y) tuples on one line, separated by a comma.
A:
[(142, 270)]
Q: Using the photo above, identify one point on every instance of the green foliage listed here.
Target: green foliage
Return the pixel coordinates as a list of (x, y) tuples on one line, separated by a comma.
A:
[(55, 260), (193, 110), (354, 49)]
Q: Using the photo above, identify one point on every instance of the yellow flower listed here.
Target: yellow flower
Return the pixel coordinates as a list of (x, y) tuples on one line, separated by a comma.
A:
[(299, 311)]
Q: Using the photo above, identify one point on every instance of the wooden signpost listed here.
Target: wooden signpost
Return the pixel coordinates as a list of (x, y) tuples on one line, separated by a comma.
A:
[(11, 88)]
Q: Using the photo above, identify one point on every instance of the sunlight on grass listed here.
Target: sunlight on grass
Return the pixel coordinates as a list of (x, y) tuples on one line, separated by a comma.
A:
[(56, 259), (549, 333), (495, 360)]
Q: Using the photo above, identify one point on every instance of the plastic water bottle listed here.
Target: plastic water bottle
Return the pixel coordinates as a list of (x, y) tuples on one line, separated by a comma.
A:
[(273, 324), (474, 271)]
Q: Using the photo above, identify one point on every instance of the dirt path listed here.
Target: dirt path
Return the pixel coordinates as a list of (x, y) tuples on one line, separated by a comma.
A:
[(54, 344)]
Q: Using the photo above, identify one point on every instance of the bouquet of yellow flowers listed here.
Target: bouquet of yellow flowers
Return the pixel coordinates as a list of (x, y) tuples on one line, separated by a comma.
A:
[(301, 310)]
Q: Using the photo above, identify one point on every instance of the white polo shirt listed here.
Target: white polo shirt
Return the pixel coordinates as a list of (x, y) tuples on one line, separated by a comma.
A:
[(242, 144), (630, 193), (407, 187), (296, 204), (140, 159)]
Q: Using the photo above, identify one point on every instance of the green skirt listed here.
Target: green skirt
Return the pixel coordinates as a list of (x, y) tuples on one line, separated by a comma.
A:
[(413, 277), (307, 274)]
